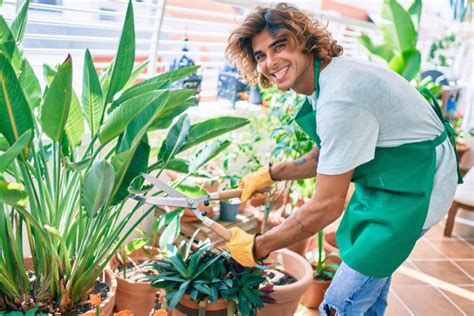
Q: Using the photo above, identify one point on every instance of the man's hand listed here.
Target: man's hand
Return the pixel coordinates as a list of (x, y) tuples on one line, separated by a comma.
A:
[(240, 247), (254, 182)]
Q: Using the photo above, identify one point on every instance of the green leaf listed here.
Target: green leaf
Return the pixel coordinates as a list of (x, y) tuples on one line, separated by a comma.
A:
[(177, 165), (136, 72), (13, 194), (400, 31), (15, 150), (415, 13), (171, 76), (57, 102), (170, 233), (182, 99), (97, 187), (384, 50), (92, 101), (19, 24), (135, 245), (175, 139), (178, 295), (125, 57), (205, 154), (203, 131), (8, 46), (123, 115), (191, 191), (406, 64), (30, 84), (48, 73), (75, 122), (15, 114)]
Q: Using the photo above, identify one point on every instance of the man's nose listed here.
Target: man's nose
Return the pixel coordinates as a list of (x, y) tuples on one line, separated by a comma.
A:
[(271, 61)]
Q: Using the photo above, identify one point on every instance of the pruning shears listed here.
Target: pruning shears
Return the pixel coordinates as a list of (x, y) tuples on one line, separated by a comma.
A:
[(177, 199)]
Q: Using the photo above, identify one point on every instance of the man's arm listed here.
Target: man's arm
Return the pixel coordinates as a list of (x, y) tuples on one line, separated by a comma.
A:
[(324, 207), (302, 168)]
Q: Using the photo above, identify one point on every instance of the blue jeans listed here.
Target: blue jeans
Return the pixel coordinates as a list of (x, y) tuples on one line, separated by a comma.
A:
[(352, 293)]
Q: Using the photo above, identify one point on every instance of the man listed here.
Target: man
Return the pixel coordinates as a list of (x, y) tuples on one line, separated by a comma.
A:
[(371, 127)]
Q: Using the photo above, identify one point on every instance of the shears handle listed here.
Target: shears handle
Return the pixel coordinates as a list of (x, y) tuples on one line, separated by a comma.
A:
[(225, 195), (220, 230)]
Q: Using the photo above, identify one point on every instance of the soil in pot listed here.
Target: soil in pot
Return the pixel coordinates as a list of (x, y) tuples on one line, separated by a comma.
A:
[(278, 277)]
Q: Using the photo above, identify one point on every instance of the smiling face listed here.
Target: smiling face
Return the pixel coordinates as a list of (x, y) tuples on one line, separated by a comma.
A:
[(283, 63)]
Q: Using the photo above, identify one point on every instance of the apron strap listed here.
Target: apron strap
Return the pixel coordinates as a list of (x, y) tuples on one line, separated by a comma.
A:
[(447, 126)]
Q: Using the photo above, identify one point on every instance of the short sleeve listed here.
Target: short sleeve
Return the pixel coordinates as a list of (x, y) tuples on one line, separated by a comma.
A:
[(348, 133)]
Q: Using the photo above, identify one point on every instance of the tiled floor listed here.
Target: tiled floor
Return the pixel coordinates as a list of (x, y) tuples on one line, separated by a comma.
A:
[(437, 279)]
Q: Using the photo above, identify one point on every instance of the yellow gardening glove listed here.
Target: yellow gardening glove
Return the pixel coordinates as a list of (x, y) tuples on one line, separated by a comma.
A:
[(240, 247), (254, 182)]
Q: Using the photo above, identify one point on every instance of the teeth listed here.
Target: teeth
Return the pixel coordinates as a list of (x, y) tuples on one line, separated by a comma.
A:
[(280, 73)]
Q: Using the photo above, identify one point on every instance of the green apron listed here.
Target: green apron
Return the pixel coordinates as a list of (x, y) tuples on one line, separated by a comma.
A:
[(389, 206)]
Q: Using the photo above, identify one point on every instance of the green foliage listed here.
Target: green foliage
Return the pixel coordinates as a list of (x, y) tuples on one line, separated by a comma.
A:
[(400, 33), (441, 51), (204, 274), (324, 271), (67, 204)]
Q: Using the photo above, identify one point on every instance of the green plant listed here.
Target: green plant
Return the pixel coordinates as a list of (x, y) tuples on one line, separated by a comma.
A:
[(63, 201), (400, 35), (324, 271), (206, 274), (438, 50)]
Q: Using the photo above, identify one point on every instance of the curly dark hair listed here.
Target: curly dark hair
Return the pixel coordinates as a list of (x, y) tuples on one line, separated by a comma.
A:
[(300, 27)]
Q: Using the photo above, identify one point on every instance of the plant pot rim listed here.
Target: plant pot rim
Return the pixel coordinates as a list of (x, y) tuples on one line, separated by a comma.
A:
[(219, 305), (307, 274), (114, 268)]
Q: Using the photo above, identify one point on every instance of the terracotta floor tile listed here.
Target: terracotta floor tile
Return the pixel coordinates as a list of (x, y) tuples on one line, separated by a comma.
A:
[(426, 301), (467, 265), (423, 250), (399, 278), (436, 232), (454, 248), (395, 307), (463, 303), (443, 270)]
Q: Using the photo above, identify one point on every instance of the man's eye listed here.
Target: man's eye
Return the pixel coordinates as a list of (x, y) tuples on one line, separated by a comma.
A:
[(279, 47), (259, 58)]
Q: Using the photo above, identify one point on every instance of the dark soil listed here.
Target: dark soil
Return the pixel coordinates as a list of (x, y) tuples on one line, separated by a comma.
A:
[(278, 277), (137, 271), (99, 288)]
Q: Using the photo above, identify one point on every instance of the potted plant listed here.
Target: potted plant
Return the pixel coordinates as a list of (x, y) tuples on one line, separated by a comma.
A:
[(63, 196), (202, 280), (324, 271)]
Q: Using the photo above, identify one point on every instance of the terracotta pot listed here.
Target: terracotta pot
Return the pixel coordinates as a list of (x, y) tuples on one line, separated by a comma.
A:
[(314, 295), (288, 296), (107, 305), (136, 296), (186, 307), (330, 246)]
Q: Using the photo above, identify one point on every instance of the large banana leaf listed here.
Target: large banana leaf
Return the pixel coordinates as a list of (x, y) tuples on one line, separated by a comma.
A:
[(97, 187), (383, 50), (125, 57), (183, 100), (123, 115), (172, 76), (57, 102), (178, 165), (205, 130), (400, 30), (138, 164), (75, 122), (174, 140), (15, 114), (415, 13), (13, 194), (406, 64), (19, 24), (92, 100), (8, 46), (131, 93), (135, 73), (207, 153), (30, 84), (13, 152)]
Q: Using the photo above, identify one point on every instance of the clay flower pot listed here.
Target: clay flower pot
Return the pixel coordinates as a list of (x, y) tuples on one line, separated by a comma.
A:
[(288, 296), (135, 296), (186, 307), (314, 295)]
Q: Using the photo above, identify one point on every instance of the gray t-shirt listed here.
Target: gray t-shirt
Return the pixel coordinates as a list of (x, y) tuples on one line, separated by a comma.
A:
[(362, 106)]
